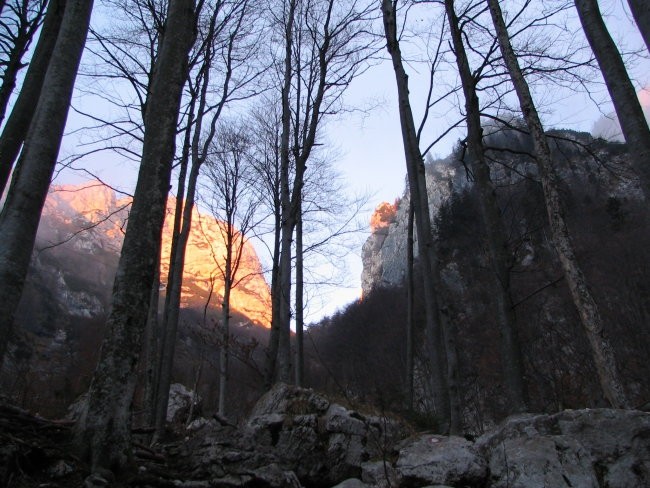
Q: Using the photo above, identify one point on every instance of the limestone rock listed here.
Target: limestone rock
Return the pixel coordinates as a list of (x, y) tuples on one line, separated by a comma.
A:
[(580, 448), (380, 474), (180, 402), (351, 483), (323, 443), (433, 459)]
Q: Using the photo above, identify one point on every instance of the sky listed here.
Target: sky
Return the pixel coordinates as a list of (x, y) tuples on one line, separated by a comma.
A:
[(369, 147)]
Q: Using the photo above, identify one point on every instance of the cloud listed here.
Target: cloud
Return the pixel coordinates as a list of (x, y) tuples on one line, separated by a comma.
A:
[(607, 126)]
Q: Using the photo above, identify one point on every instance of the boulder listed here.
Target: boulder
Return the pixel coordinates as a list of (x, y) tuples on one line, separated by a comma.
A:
[(180, 403), (323, 443), (287, 399), (579, 448), (380, 474), (351, 483), (439, 460)]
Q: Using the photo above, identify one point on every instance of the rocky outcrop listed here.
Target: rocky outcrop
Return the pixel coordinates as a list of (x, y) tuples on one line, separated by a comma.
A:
[(297, 432), (598, 448), (322, 442), (298, 438), (384, 252)]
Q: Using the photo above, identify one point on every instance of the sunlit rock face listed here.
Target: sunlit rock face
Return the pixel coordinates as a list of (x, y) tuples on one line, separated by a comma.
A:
[(86, 226), (384, 252)]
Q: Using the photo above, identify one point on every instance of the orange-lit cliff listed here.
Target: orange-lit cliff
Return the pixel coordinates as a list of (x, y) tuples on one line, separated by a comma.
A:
[(90, 220)]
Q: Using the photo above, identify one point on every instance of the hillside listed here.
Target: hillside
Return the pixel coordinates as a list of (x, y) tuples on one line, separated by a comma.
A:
[(67, 298)]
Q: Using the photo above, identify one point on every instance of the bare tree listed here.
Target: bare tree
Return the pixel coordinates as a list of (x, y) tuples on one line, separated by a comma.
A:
[(103, 434), (233, 200), (438, 333), (630, 114), (325, 46), (21, 212), (230, 43), (18, 23), (500, 256), (15, 129), (602, 352)]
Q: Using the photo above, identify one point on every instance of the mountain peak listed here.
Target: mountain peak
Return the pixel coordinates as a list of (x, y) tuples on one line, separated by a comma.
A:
[(88, 219)]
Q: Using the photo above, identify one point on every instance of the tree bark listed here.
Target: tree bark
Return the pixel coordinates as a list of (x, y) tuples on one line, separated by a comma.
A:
[(300, 306), (500, 258), (602, 352), (225, 321), (641, 13), (426, 245), (152, 342), (15, 129), (287, 223), (410, 305), (274, 335), (629, 111), (103, 435), (21, 212)]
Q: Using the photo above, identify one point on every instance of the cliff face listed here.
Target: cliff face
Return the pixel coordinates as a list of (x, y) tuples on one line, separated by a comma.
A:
[(80, 237), (384, 252)]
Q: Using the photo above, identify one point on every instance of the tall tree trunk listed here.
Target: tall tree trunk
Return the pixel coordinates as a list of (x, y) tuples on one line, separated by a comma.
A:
[(171, 312), (500, 259), (300, 306), (602, 351), (287, 224), (426, 245), (225, 323), (103, 434), (641, 13), (410, 305), (274, 336), (15, 130), (152, 342), (21, 212), (629, 111)]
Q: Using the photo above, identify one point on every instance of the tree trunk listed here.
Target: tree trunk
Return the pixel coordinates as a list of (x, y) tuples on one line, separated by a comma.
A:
[(287, 224), (274, 335), (21, 212), (225, 323), (427, 251), (171, 312), (15, 130), (300, 307), (602, 352), (103, 434), (629, 111), (152, 342), (641, 13), (410, 305), (500, 259)]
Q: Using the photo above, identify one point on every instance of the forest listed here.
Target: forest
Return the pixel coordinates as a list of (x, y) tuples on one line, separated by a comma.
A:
[(510, 277)]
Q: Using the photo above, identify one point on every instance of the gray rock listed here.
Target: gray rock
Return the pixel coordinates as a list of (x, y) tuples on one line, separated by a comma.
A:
[(180, 402), (541, 461), (61, 468), (338, 419), (589, 448), (286, 399), (379, 473), (351, 483), (433, 459)]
